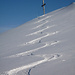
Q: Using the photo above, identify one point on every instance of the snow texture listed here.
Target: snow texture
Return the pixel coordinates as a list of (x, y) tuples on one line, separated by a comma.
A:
[(42, 46)]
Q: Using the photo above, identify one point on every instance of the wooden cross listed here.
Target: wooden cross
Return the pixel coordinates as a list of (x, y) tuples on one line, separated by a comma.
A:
[(43, 7)]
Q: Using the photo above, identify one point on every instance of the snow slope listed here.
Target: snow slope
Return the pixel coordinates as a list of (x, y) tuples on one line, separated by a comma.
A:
[(42, 46)]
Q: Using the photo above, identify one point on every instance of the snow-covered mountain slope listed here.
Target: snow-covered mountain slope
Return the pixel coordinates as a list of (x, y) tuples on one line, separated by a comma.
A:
[(43, 46)]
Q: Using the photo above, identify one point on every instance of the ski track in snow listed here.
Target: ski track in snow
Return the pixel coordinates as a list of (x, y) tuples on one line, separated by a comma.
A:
[(38, 39), (33, 50), (47, 57), (40, 25), (43, 19), (40, 30)]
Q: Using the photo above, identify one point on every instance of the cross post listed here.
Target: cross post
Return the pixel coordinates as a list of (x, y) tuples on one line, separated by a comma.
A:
[(43, 7)]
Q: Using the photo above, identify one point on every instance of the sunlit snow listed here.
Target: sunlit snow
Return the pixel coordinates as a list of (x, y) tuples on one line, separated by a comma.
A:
[(42, 46)]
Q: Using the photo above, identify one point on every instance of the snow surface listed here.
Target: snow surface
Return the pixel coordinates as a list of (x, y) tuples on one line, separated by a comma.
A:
[(42, 46)]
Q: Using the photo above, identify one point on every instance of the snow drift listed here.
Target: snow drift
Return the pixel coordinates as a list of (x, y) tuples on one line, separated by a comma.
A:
[(42, 46)]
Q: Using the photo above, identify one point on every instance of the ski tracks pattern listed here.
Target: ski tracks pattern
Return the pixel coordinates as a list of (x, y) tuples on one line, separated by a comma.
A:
[(46, 57)]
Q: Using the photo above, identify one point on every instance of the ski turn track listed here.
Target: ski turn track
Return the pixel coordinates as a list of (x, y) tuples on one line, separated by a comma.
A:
[(43, 19), (47, 57), (38, 39), (40, 30), (40, 25), (33, 50)]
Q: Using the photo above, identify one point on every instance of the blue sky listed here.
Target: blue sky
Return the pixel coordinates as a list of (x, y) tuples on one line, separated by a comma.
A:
[(16, 12)]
